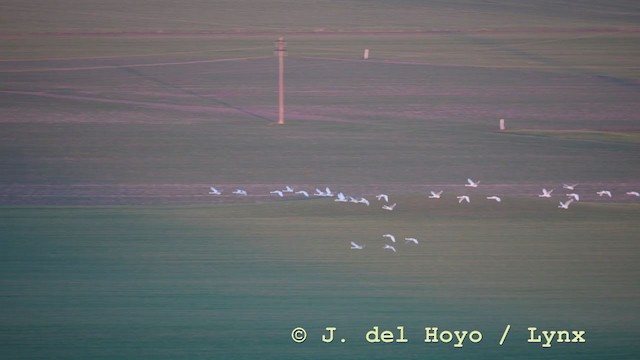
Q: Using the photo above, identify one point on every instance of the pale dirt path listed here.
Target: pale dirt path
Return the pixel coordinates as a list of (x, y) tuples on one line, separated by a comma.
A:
[(250, 33)]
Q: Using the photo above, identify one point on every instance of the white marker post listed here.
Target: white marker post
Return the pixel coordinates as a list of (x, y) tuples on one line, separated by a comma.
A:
[(502, 126), (366, 54)]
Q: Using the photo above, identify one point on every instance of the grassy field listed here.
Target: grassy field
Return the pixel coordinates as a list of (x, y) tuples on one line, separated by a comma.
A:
[(115, 118), (308, 15), (235, 279), (349, 122)]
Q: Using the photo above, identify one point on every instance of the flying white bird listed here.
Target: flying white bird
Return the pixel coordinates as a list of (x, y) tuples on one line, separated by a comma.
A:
[(328, 192), (302, 192), (288, 189), (463, 198), (565, 205), (214, 191), (387, 246), (363, 201), (435, 195), (277, 192), (391, 237), (569, 187), (633, 193), (413, 240), (340, 198), (496, 198), (389, 207), (546, 193), (603, 193), (471, 183), (574, 196), (383, 196), (240, 192), (353, 200), (355, 246)]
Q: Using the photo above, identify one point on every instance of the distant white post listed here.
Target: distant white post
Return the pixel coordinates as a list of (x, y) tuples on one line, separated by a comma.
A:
[(281, 52), (502, 126), (366, 54)]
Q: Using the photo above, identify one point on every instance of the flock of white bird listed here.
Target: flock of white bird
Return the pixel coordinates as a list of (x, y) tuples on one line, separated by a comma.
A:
[(571, 197), (408, 240), (575, 197)]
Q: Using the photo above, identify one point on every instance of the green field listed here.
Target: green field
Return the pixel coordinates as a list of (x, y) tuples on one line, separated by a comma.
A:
[(234, 280), (115, 118)]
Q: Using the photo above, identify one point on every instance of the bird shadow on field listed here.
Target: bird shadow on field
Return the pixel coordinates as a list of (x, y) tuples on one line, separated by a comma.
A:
[(192, 93)]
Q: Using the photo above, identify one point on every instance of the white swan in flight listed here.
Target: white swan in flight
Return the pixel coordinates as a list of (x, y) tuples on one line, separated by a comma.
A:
[(413, 240), (387, 246), (277, 192), (633, 193), (288, 189), (574, 196), (363, 201), (471, 183), (214, 191), (391, 237), (436, 195), (383, 196), (340, 198), (603, 193), (355, 246), (546, 193), (569, 187), (326, 193), (240, 192), (302, 192), (565, 205), (463, 198), (496, 198), (389, 207)]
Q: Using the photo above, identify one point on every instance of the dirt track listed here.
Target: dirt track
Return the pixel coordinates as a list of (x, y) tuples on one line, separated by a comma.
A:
[(323, 32)]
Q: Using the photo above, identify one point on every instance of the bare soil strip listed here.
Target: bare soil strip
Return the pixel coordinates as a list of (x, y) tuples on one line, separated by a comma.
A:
[(323, 32)]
